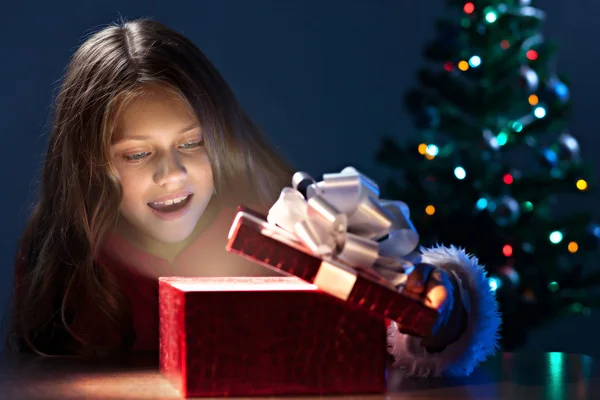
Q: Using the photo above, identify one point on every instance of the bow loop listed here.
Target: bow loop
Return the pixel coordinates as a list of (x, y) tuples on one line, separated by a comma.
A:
[(342, 218)]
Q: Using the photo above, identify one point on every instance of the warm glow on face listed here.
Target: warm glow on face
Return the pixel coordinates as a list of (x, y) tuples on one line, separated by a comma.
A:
[(160, 159)]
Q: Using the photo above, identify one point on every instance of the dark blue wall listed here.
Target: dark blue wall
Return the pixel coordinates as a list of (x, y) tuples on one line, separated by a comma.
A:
[(323, 78)]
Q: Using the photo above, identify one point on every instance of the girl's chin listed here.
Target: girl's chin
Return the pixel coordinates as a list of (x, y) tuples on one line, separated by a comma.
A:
[(155, 236), (173, 236)]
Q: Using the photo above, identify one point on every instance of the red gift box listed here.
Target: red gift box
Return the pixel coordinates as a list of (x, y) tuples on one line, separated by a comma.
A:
[(266, 336), (251, 236)]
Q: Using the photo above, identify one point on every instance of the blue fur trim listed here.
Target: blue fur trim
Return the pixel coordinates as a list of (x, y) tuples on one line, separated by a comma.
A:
[(476, 344)]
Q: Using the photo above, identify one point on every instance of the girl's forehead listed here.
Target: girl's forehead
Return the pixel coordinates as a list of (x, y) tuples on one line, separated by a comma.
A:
[(154, 111)]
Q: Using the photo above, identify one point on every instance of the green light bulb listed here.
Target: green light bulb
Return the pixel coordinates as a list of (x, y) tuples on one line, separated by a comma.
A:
[(556, 237), (491, 16), (517, 126), (502, 138)]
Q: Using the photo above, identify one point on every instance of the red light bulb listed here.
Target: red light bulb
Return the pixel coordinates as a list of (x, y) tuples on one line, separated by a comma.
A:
[(507, 250), (531, 55), (469, 8), (508, 179)]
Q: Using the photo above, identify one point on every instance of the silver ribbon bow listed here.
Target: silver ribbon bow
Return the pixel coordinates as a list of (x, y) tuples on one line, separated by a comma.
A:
[(342, 219)]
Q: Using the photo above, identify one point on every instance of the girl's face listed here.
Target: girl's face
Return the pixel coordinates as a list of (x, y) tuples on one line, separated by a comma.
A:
[(162, 165)]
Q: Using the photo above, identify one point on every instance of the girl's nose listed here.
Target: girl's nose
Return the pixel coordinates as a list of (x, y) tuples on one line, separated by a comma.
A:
[(170, 171)]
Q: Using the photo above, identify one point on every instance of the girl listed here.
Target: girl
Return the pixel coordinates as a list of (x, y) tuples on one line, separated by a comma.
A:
[(148, 158)]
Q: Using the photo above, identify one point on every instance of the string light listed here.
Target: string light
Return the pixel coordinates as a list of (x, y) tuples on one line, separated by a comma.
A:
[(460, 173), (422, 149), (550, 156), (539, 112), (494, 283), (577, 307), (553, 286), (502, 138), (469, 8), (481, 204), (561, 90), (508, 179), (533, 99), (507, 250), (505, 44), (573, 247), (581, 185), (448, 66), (463, 65), (430, 210), (491, 16), (433, 150), (517, 126), (429, 156), (475, 61), (556, 237), (531, 55), (528, 206)]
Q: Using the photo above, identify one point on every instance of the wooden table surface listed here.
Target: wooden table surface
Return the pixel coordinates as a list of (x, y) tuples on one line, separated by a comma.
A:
[(508, 376)]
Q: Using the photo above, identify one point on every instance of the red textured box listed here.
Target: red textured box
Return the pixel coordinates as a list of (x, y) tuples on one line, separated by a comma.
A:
[(251, 236), (266, 336)]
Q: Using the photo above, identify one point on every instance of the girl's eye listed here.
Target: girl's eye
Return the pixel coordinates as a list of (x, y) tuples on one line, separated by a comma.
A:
[(136, 156), (191, 145)]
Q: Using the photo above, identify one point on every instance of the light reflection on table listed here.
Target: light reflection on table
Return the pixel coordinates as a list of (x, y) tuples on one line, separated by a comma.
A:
[(551, 376)]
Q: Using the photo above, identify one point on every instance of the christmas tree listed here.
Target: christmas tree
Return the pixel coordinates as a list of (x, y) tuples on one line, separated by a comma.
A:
[(494, 162)]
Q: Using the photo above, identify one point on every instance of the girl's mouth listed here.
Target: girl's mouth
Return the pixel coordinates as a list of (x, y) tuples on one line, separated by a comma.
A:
[(171, 206)]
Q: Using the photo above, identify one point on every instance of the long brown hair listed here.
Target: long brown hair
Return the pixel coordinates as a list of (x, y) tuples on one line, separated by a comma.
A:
[(79, 195)]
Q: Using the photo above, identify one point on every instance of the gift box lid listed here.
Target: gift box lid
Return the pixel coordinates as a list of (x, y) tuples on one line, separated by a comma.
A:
[(252, 237)]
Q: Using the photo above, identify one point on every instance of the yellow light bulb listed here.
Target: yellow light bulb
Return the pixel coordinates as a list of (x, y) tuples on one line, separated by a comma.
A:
[(581, 184), (573, 247), (430, 210), (463, 65), (422, 148), (533, 99), (429, 156)]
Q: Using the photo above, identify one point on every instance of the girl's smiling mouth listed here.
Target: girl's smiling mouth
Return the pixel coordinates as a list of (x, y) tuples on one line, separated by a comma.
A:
[(167, 206)]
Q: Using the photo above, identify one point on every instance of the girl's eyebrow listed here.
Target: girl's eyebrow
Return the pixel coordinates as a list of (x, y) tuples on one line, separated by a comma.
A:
[(186, 129)]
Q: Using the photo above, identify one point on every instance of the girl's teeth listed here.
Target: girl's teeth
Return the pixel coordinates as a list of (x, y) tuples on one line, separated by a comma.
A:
[(169, 202)]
